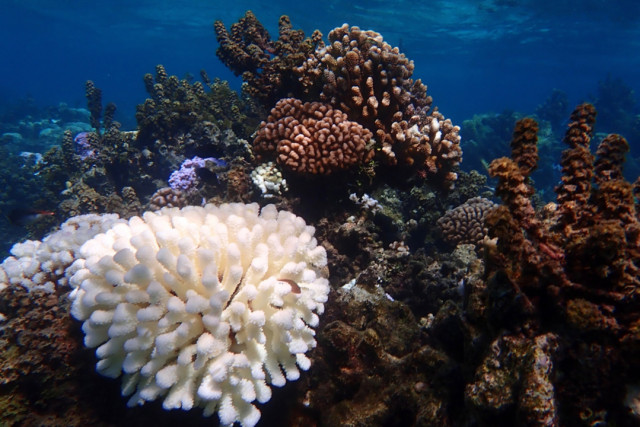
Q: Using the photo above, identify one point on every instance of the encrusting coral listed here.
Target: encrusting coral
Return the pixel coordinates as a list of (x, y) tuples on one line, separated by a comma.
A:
[(312, 138), (568, 276), (203, 306)]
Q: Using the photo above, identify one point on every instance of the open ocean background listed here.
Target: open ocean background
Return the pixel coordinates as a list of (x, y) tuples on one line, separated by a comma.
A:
[(474, 56)]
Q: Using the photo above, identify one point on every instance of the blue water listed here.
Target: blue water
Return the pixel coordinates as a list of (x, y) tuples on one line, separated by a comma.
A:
[(475, 56)]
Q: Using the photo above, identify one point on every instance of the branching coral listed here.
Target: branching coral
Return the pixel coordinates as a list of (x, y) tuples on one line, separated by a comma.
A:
[(266, 65), (178, 107), (357, 73), (571, 270), (312, 138), (371, 82)]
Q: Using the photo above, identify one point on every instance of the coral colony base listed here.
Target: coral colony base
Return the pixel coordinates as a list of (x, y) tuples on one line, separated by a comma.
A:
[(200, 306)]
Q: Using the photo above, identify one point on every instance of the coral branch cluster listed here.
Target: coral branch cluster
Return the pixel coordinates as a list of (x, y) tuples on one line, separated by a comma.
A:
[(371, 81), (357, 73), (570, 270), (266, 65)]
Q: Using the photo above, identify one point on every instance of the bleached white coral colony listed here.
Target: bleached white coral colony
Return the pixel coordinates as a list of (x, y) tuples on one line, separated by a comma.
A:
[(202, 306)]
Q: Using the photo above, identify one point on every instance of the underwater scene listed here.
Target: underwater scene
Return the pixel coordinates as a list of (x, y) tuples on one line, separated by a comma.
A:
[(320, 214)]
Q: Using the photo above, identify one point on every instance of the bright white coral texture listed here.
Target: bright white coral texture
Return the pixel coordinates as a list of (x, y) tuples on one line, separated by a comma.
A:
[(36, 264), (202, 306)]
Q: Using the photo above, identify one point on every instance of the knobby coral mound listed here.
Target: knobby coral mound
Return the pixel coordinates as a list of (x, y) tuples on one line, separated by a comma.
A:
[(465, 223), (313, 138), (364, 76), (200, 306)]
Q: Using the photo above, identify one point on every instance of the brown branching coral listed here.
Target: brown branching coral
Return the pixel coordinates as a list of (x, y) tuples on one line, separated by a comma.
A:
[(266, 65), (312, 138), (371, 82), (366, 77), (178, 107), (94, 104), (356, 72), (577, 168), (524, 145), (571, 271)]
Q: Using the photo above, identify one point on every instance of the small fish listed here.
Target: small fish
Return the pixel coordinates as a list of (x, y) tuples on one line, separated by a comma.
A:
[(22, 217)]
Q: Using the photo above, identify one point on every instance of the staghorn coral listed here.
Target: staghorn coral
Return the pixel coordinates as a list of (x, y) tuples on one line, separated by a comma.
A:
[(312, 138), (267, 66), (465, 223), (571, 271)]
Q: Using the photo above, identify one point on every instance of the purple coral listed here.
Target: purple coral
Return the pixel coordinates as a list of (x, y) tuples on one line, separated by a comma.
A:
[(83, 146), (186, 178)]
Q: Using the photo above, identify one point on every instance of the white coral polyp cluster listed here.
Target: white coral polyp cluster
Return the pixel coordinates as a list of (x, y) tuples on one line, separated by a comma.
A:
[(268, 178), (202, 306), (42, 264)]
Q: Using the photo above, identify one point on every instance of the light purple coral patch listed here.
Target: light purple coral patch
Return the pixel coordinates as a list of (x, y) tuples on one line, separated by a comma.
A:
[(82, 146), (186, 178)]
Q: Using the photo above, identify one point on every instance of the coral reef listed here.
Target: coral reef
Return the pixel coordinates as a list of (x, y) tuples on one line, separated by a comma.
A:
[(565, 278), (357, 73), (312, 138), (540, 328)]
